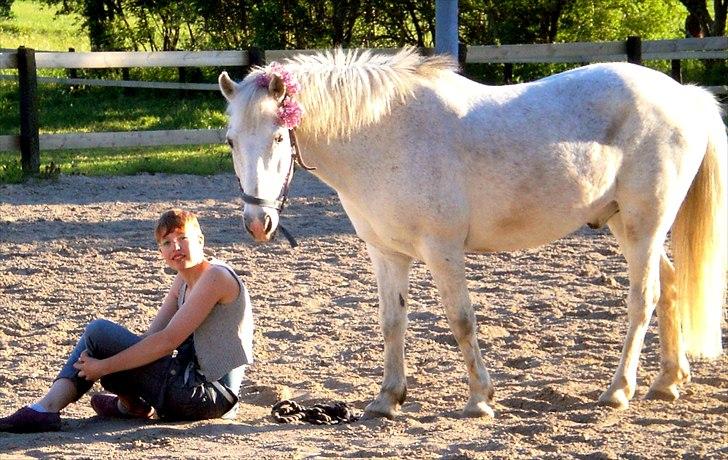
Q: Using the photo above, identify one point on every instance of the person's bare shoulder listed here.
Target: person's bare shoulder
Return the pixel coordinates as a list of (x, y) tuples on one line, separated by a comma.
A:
[(224, 283)]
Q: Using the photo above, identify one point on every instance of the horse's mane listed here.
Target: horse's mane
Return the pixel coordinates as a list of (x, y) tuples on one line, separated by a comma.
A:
[(344, 91)]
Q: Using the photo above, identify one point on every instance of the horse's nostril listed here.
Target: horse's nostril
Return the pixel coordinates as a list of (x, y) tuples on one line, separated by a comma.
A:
[(268, 223)]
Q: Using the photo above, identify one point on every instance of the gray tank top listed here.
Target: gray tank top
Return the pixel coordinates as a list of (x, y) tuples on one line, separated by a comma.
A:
[(224, 340)]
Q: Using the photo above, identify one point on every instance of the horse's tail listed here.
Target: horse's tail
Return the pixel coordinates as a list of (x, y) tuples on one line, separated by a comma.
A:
[(700, 246)]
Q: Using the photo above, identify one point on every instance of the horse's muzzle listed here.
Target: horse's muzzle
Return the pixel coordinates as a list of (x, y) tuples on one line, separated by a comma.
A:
[(260, 222)]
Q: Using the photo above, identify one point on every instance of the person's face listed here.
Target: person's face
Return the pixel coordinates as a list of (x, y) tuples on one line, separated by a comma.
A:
[(182, 248)]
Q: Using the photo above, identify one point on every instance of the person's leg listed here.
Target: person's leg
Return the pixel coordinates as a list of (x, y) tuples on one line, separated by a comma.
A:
[(61, 393), (101, 339), (116, 406), (137, 389), (193, 398), (68, 387)]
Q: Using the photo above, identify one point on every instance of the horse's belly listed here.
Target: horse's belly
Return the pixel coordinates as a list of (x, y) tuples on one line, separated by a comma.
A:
[(535, 226), (528, 204), (517, 234)]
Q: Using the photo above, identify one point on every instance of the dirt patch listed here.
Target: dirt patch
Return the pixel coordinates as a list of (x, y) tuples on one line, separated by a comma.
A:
[(551, 325)]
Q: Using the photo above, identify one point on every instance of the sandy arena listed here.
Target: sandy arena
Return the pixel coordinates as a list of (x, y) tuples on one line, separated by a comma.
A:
[(551, 323)]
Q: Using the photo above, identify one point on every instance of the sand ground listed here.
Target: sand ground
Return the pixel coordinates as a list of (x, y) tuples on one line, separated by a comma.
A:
[(551, 322)]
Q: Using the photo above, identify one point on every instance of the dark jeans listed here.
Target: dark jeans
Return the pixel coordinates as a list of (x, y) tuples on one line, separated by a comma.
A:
[(170, 384)]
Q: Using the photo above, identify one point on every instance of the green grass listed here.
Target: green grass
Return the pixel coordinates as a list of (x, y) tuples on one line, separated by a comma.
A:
[(62, 109), (110, 109), (200, 160), (35, 25), (97, 109)]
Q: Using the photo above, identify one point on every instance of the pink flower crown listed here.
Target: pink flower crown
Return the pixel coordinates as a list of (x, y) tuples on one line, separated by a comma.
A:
[(289, 111)]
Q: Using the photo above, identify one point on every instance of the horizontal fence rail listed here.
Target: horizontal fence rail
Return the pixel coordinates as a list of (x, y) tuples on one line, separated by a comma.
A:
[(27, 61), (131, 139), (67, 141), (688, 48), (122, 83), (9, 143), (119, 59)]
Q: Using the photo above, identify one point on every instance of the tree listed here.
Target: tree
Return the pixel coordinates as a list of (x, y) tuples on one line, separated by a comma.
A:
[(602, 20), (5, 9), (699, 23), (269, 24)]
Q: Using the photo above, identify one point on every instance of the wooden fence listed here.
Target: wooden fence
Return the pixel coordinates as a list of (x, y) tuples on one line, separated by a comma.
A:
[(30, 142)]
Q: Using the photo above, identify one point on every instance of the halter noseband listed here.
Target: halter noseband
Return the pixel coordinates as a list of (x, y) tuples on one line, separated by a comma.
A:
[(280, 202)]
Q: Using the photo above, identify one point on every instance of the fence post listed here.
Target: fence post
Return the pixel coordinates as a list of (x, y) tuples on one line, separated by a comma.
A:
[(676, 70), (462, 57), (634, 50), (72, 72), (256, 56), (507, 73), (126, 76), (29, 139), (182, 78)]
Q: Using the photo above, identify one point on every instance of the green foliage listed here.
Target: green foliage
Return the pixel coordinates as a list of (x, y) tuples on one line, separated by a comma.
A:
[(605, 20), (10, 170), (50, 171), (5, 9)]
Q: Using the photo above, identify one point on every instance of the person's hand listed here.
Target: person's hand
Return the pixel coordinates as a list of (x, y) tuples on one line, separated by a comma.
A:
[(89, 368)]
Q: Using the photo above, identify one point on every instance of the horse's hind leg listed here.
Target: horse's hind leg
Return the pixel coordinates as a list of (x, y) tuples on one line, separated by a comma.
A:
[(642, 248), (391, 270), (448, 272), (674, 367)]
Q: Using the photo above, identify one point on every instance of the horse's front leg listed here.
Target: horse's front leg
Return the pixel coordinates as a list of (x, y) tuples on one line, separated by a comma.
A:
[(448, 271), (392, 271)]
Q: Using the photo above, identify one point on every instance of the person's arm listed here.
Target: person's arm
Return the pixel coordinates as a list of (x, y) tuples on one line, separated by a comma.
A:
[(215, 284), (168, 308)]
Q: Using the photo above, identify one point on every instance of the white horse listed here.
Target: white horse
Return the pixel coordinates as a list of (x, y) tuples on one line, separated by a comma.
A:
[(430, 165)]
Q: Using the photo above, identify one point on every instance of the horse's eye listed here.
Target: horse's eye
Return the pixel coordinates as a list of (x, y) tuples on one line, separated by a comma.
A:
[(230, 142), (278, 138)]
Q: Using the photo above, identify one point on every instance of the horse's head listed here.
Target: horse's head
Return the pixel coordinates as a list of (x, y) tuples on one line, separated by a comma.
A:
[(262, 115)]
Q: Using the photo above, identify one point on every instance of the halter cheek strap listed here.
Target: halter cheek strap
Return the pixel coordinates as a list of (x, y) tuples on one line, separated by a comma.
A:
[(280, 202)]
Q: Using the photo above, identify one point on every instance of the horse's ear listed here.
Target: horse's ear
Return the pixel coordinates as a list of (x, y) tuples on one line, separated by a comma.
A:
[(227, 86), (277, 88)]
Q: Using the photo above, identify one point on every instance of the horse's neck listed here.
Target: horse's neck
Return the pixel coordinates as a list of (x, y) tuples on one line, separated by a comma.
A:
[(334, 160)]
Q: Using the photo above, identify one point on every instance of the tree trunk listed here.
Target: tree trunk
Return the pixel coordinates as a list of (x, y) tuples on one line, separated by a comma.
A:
[(699, 23)]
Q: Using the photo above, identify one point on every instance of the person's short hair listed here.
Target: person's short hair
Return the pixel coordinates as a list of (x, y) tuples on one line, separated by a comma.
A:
[(173, 220)]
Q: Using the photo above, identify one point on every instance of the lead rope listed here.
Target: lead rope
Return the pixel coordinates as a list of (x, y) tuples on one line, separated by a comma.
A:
[(289, 411), (297, 151)]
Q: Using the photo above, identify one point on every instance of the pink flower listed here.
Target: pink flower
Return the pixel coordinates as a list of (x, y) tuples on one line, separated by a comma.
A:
[(289, 113), (289, 80)]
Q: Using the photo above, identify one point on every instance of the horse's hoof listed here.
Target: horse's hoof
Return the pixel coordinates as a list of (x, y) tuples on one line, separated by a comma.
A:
[(480, 409), (670, 393), (616, 400)]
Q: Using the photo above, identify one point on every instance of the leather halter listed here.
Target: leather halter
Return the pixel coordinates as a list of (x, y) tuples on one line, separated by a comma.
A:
[(280, 202)]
